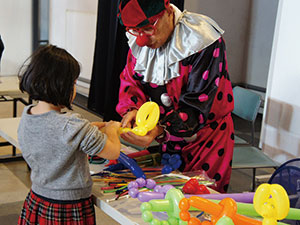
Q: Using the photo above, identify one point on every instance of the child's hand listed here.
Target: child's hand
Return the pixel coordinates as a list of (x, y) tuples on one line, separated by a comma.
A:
[(112, 146), (100, 125), (112, 125)]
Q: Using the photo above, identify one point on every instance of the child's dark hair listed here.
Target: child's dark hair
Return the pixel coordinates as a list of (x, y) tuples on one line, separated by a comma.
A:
[(50, 76)]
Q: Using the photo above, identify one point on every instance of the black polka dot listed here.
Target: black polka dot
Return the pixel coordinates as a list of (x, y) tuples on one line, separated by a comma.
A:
[(126, 89), (137, 77), (229, 98), (205, 166), (190, 157), (230, 163), (232, 136), (175, 100), (209, 144), (211, 116), (185, 62), (220, 96), (134, 99), (221, 152), (201, 143), (225, 188), (223, 126), (214, 125), (217, 177)]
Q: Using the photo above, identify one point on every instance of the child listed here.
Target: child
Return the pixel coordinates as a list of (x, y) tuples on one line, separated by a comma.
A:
[(55, 145)]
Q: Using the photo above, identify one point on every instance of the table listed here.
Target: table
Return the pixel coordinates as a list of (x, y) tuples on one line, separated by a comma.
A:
[(8, 130), (124, 211), (9, 86), (9, 91)]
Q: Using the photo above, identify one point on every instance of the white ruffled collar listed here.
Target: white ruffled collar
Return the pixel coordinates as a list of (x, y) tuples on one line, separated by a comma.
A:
[(193, 32)]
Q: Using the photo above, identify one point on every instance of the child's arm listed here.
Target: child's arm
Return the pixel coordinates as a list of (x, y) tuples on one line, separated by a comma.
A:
[(112, 146), (100, 125)]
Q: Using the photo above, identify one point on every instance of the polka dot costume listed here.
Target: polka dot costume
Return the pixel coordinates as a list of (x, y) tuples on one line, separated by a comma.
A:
[(195, 110)]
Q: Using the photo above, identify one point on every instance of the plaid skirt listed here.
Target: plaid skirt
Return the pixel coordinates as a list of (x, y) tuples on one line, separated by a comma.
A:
[(44, 211)]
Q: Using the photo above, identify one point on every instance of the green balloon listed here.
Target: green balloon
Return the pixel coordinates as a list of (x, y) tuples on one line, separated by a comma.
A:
[(225, 220), (155, 222), (147, 216)]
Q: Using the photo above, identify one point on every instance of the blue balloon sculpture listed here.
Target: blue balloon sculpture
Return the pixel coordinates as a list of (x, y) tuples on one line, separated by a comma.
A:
[(132, 165)]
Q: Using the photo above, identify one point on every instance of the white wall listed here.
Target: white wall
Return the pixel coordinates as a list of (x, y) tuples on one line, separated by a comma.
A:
[(232, 16), (73, 27), (281, 132), (263, 18), (249, 27), (16, 33)]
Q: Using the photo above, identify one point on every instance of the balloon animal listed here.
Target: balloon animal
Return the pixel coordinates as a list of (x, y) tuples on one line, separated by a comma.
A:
[(146, 119), (224, 213), (272, 203), (132, 165)]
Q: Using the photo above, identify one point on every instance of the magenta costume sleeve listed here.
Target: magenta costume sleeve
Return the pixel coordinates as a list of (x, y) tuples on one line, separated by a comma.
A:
[(131, 93)]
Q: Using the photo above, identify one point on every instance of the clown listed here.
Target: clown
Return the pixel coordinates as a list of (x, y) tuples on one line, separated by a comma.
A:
[(178, 60)]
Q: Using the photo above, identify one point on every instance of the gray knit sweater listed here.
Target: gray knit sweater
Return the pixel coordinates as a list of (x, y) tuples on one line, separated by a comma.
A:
[(55, 146)]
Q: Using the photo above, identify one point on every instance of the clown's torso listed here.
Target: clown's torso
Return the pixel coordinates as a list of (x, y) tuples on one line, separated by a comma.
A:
[(195, 110)]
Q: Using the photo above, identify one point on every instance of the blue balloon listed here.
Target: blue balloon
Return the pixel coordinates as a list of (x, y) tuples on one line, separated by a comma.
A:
[(176, 156), (132, 165), (118, 166), (176, 165), (166, 156), (164, 162), (166, 169), (173, 160)]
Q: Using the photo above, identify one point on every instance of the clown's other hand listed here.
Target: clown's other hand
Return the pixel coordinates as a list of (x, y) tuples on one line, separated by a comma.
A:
[(128, 119), (143, 141)]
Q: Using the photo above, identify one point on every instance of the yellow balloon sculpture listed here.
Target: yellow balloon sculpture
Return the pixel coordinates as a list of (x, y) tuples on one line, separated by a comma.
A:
[(271, 202), (146, 119)]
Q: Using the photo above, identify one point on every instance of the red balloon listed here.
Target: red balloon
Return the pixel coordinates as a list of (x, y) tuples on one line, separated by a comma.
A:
[(193, 187)]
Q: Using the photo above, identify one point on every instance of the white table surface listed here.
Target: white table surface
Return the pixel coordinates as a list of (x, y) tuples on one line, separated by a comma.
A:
[(9, 86), (125, 210), (9, 128)]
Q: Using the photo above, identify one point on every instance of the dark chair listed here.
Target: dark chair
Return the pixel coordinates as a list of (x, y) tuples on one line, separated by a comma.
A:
[(246, 106), (288, 176), (246, 156)]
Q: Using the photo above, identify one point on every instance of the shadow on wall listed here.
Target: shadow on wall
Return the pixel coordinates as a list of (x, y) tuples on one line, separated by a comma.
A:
[(281, 134)]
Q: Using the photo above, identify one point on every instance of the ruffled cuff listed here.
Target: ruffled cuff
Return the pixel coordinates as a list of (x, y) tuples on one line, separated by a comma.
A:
[(164, 137)]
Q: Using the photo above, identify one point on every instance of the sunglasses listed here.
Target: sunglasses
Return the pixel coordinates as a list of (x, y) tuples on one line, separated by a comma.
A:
[(148, 29)]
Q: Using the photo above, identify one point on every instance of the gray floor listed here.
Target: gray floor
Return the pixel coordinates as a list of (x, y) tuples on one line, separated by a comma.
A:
[(15, 180)]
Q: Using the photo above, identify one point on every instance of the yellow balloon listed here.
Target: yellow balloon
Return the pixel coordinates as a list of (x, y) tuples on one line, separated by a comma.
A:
[(146, 119), (271, 202)]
